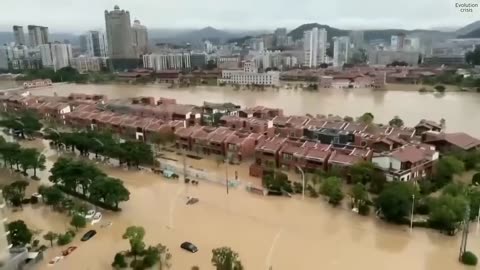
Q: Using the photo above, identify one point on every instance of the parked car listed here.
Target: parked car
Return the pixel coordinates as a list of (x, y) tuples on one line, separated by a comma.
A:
[(90, 214), (88, 235), (189, 247), (68, 250), (55, 260), (96, 218)]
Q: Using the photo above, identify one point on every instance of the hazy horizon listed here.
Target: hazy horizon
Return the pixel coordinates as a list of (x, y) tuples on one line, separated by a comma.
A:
[(75, 16)]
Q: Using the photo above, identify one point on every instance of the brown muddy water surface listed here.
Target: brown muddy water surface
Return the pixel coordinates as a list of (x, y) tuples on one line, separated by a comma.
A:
[(284, 233)]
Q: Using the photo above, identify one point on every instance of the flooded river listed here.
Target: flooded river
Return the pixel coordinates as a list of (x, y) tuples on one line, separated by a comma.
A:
[(282, 233), (460, 109)]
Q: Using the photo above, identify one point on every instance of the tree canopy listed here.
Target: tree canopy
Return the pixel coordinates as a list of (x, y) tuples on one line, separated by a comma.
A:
[(76, 175), (224, 258), (396, 122), (395, 201), (366, 118), (332, 188), (19, 235)]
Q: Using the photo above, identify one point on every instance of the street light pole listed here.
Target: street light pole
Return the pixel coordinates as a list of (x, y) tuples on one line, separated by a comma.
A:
[(411, 216), (303, 181)]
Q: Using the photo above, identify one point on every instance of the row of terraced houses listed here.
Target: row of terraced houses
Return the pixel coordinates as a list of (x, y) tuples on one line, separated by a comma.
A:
[(263, 136)]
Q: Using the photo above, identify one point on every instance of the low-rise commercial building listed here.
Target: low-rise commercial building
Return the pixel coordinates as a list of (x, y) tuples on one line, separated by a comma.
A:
[(250, 76)]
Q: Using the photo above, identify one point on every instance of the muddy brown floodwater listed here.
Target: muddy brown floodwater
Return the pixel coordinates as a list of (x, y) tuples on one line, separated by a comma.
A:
[(460, 109), (281, 233)]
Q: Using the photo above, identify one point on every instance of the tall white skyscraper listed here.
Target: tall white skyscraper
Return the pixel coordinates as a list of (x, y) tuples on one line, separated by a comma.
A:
[(315, 47), (3, 57), (140, 38), (341, 50), (56, 55), (94, 44)]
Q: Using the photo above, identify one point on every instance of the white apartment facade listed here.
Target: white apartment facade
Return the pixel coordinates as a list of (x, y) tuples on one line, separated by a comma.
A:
[(315, 47), (341, 50), (86, 64), (56, 55), (250, 76), (167, 61)]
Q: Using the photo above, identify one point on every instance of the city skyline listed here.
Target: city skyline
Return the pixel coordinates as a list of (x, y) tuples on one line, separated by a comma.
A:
[(77, 16)]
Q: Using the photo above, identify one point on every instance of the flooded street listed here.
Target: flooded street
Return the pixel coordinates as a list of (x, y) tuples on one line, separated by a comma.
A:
[(266, 231), (460, 109), (282, 233)]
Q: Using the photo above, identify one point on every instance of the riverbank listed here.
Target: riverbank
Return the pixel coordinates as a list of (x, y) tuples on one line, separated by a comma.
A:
[(285, 233)]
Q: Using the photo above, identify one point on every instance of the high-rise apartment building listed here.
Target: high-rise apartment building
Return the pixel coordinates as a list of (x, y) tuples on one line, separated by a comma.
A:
[(397, 42), (280, 36), (37, 35), (3, 58), (19, 35), (94, 44), (56, 55), (341, 50), (315, 47), (119, 34), (358, 39), (140, 38)]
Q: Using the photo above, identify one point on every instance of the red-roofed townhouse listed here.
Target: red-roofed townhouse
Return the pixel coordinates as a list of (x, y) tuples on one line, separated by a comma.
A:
[(409, 162)]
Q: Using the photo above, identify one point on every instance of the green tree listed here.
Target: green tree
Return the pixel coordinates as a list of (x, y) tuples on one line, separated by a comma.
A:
[(27, 158), (9, 152), (456, 189), (469, 258), (396, 122), (135, 236), (38, 163), (362, 172), (332, 188), (15, 192), (225, 258), (395, 201), (109, 190), (19, 235), (440, 88), (119, 261), (64, 239), (50, 236), (78, 221), (348, 119), (52, 196), (476, 179), (446, 167), (366, 118), (359, 195), (447, 211)]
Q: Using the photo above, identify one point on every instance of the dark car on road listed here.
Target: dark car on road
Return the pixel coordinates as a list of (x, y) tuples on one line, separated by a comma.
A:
[(88, 235), (189, 247)]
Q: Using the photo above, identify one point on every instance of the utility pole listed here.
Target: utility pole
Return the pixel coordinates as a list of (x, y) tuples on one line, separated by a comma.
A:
[(226, 172), (463, 243)]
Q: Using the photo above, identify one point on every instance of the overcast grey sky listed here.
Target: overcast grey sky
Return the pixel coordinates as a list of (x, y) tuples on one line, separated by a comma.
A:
[(79, 15)]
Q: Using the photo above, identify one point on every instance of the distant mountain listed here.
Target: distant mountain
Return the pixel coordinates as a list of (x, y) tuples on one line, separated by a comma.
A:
[(468, 28), (384, 34), (474, 34), (297, 33)]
